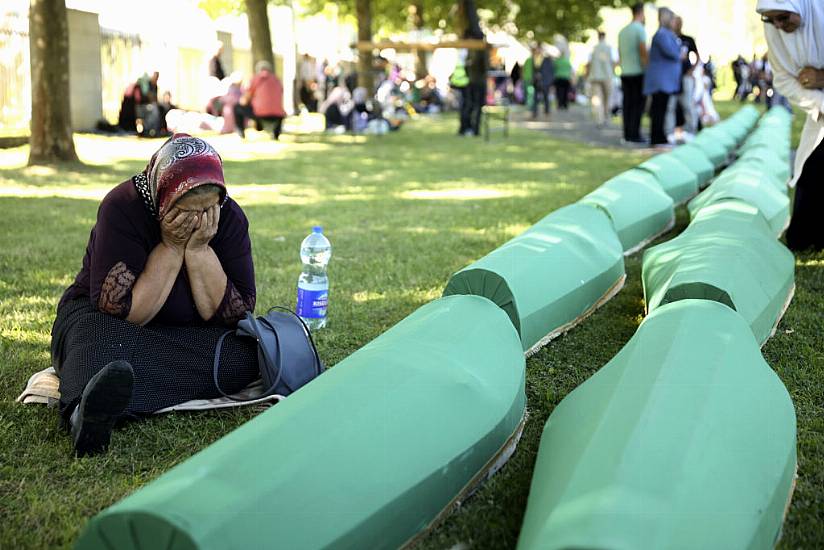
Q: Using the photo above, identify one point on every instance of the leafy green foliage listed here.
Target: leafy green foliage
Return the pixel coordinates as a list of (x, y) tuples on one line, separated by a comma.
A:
[(542, 19)]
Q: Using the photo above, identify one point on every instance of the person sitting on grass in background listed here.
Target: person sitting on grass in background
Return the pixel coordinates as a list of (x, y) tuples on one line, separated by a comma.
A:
[(263, 101), (167, 270), (795, 36)]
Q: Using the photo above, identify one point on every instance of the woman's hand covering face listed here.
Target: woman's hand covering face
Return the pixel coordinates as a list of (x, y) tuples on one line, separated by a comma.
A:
[(176, 228), (206, 229)]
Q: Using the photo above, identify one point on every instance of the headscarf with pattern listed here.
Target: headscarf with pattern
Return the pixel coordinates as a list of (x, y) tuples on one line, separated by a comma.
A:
[(181, 164)]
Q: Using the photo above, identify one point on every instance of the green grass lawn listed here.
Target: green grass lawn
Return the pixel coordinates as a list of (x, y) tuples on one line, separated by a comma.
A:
[(403, 212)]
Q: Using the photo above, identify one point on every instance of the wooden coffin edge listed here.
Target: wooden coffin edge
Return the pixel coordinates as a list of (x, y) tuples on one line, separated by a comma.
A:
[(608, 295), (492, 466), (643, 244)]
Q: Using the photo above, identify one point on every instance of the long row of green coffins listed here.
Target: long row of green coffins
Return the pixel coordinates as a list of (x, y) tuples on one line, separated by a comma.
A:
[(685, 439)]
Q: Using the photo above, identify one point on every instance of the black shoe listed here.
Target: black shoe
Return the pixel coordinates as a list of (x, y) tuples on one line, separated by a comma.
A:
[(104, 399)]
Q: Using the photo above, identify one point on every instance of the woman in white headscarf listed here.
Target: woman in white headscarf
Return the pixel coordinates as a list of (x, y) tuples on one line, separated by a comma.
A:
[(795, 36)]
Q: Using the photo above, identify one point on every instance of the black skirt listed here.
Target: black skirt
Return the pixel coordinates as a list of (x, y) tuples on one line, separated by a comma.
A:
[(806, 230), (171, 365)]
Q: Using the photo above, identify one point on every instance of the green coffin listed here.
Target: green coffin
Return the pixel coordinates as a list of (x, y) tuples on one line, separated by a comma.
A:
[(770, 139), (640, 210), (722, 136), (767, 160), (735, 128), (753, 170), (677, 181), (747, 115), (727, 254), (551, 276), (366, 456), (716, 151), (696, 160), (777, 116), (686, 439), (773, 204)]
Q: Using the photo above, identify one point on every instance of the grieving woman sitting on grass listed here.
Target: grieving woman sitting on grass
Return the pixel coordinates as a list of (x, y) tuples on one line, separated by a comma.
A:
[(167, 270)]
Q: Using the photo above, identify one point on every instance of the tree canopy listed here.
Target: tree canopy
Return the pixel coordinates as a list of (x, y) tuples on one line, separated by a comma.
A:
[(529, 19)]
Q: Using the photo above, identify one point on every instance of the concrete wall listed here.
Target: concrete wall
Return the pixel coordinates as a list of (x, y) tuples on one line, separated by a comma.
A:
[(84, 69)]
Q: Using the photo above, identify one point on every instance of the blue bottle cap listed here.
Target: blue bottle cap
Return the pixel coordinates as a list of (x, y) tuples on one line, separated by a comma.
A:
[(317, 229)]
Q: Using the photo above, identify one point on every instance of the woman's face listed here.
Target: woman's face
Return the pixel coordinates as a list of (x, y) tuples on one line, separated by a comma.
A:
[(786, 21), (197, 203)]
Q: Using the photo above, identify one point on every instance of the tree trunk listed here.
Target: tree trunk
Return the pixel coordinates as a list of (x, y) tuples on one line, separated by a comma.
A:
[(259, 33), (51, 125), (471, 21), (418, 23), (363, 10)]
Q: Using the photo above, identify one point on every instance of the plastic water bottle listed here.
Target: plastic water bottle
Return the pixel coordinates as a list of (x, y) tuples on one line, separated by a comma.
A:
[(313, 284)]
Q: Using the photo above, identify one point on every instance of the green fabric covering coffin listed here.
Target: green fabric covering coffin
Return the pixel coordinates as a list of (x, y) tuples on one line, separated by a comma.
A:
[(640, 210), (674, 177), (766, 160), (552, 275), (760, 172), (366, 456), (773, 204), (716, 151), (747, 115), (686, 439), (722, 136), (770, 140), (735, 128), (727, 254), (694, 158)]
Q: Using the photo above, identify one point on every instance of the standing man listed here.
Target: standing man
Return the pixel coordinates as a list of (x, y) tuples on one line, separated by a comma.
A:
[(600, 71), (663, 77), (547, 80), (632, 51), (688, 121), (459, 82)]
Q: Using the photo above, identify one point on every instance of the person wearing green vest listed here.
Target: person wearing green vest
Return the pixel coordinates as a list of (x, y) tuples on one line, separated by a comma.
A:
[(459, 81), (528, 79), (563, 80)]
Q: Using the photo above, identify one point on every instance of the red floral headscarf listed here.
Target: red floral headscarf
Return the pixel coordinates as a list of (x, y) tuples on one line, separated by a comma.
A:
[(181, 164)]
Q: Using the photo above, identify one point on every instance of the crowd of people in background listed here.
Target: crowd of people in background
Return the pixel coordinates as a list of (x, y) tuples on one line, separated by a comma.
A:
[(671, 74), (664, 77)]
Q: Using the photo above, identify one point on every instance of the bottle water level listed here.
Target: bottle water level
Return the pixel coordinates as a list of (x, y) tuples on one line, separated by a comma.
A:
[(313, 283)]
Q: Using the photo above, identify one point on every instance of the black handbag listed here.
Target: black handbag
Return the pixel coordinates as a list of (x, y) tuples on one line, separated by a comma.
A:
[(287, 356)]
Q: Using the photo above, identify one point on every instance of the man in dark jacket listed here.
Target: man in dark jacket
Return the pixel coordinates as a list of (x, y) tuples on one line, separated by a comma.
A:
[(544, 79)]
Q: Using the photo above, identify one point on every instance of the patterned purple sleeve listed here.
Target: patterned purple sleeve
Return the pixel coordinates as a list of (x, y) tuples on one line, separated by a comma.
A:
[(233, 307)]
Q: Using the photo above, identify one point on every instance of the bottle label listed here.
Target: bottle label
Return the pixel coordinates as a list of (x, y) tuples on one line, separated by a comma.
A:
[(312, 303)]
